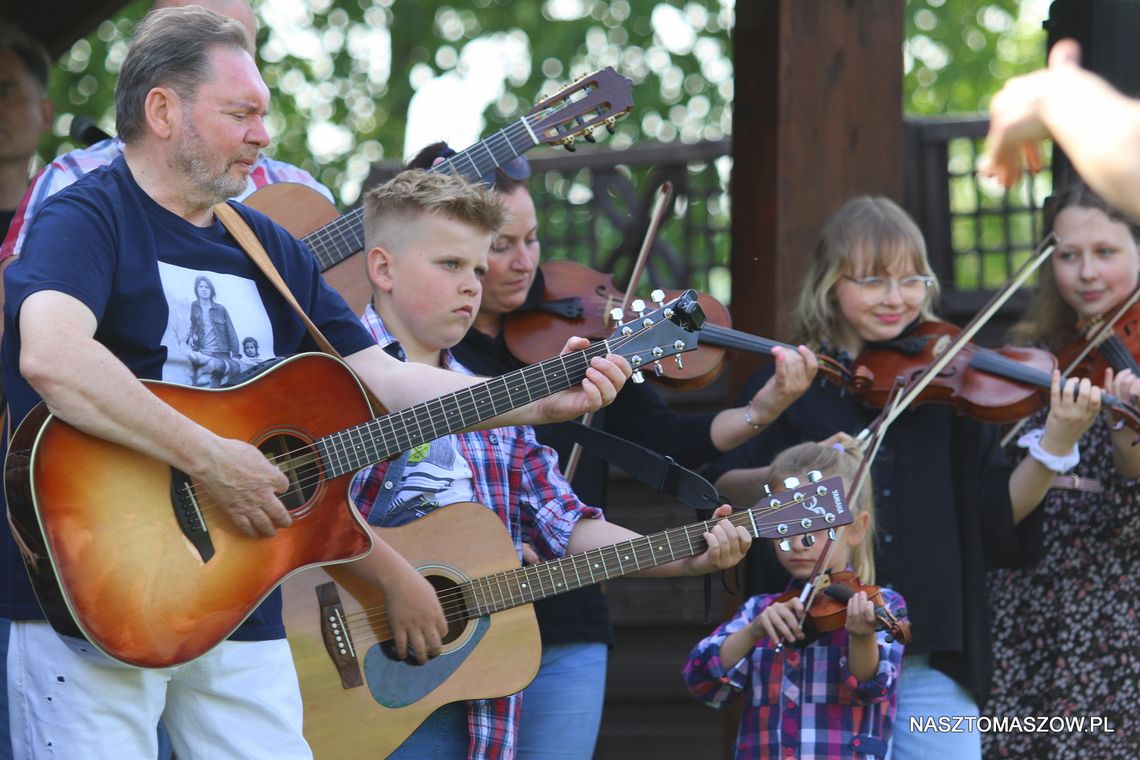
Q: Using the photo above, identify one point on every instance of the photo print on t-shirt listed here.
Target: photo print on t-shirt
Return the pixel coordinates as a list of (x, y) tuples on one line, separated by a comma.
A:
[(217, 327)]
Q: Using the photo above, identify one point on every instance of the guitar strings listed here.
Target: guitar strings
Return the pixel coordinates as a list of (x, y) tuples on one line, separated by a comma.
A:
[(501, 391), (454, 601), (352, 222)]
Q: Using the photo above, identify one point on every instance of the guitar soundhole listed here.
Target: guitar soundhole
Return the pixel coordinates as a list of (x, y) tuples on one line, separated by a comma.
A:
[(297, 458), (454, 607)]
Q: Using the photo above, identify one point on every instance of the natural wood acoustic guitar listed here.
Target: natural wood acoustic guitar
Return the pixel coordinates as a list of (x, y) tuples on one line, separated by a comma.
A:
[(361, 701)]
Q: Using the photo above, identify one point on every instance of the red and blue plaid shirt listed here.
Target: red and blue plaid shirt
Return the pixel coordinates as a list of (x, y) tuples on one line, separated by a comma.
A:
[(803, 703), (519, 479), (68, 168)]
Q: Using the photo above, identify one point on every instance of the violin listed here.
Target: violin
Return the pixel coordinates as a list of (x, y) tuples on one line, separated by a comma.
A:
[(991, 385), (828, 611), (1098, 350), (579, 301)]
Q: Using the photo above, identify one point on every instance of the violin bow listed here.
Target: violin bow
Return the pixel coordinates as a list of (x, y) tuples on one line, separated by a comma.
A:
[(661, 204), (912, 389), (1101, 330)]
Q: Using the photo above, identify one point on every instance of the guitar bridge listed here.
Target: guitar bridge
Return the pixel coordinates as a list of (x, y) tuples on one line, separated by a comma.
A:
[(338, 640), (189, 515)]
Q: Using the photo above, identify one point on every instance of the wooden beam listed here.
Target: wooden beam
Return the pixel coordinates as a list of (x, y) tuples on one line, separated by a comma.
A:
[(817, 119), (58, 23)]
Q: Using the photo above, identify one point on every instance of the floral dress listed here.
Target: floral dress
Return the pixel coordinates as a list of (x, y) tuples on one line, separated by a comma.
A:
[(1065, 632)]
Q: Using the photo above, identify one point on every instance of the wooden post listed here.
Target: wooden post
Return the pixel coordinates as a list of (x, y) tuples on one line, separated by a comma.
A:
[(817, 119)]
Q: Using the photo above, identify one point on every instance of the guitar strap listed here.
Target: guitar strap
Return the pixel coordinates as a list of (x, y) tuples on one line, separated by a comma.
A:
[(237, 226)]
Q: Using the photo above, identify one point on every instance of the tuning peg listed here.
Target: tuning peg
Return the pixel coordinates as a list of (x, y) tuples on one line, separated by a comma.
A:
[(657, 296), (814, 476), (791, 482), (568, 143), (808, 539), (831, 533), (638, 305), (680, 364), (658, 369), (588, 136), (610, 125), (785, 545), (616, 315), (637, 377), (767, 490)]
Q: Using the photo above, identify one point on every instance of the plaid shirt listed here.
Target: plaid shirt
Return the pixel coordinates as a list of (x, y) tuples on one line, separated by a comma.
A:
[(803, 703), (519, 479), (68, 168)]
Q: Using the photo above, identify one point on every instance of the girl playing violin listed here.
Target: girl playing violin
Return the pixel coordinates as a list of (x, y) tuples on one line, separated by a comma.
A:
[(830, 696), (949, 504), (1062, 643)]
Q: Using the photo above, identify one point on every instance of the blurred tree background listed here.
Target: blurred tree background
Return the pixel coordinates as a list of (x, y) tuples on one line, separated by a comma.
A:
[(344, 72)]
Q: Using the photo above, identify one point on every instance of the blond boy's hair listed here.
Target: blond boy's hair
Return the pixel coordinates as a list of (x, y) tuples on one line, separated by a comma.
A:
[(799, 460), (393, 209)]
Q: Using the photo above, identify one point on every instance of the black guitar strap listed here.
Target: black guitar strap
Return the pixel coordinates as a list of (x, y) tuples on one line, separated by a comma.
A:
[(656, 471)]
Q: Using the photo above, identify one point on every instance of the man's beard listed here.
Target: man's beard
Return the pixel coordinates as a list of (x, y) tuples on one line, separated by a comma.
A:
[(207, 185)]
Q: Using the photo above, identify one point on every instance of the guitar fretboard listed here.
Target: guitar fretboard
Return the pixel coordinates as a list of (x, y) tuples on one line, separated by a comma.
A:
[(342, 237), (510, 588), (376, 440)]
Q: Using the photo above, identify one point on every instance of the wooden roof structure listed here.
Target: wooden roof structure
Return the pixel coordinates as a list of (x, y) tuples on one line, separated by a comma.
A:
[(58, 23)]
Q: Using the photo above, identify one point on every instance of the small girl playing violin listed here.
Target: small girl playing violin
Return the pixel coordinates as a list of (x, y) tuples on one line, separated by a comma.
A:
[(810, 694)]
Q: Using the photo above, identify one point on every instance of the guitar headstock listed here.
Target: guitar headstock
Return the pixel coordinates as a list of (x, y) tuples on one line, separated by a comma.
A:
[(818, 504), (595, 100), (669, 330)]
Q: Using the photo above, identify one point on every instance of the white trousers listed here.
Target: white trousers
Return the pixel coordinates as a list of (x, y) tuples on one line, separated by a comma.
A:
[(69, 701)]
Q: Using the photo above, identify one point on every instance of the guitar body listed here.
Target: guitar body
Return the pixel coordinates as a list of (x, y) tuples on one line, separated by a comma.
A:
[(301, 210), (367, 705), (118, 554)]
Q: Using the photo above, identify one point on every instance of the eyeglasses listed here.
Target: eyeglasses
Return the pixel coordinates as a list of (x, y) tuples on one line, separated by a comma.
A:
[(912, 288), (517, 168)]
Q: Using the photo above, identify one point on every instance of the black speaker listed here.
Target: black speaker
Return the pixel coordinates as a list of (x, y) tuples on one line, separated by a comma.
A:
[(1109, 34)]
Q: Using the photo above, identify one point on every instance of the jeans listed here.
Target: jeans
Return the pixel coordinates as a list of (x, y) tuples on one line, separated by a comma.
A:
[(562, 707), (925, 693), (443, 736)]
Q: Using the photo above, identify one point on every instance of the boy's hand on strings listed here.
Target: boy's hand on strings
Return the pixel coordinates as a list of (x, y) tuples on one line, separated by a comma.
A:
[(779, 622), (860, 615), (795, 371), (1072, 411), (727, 545)]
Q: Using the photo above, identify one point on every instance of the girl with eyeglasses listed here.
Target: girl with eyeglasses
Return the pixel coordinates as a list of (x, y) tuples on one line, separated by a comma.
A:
[(1063, 645), (949, 504)]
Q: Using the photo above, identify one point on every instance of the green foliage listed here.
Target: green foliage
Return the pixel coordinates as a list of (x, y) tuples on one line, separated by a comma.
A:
[(958, 52), (340, 102)]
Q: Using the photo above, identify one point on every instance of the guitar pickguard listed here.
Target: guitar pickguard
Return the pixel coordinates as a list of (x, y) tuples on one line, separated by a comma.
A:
[(397, 683)]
